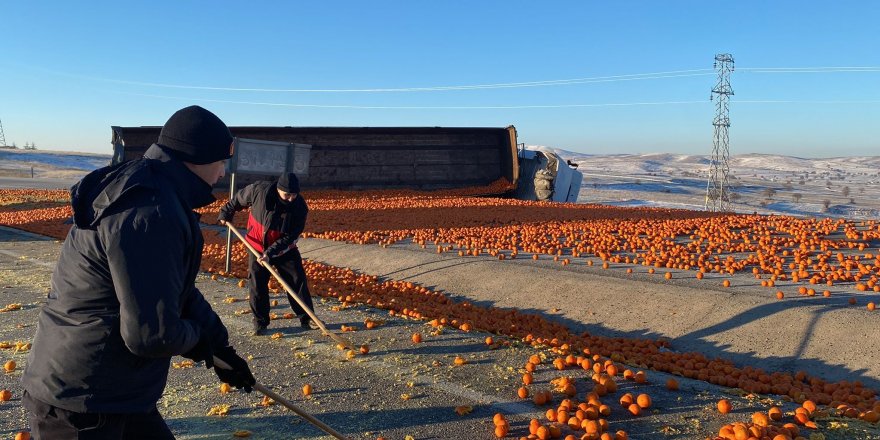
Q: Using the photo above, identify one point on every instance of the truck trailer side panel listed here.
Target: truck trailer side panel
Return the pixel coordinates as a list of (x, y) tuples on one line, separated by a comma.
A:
[(374, 157)]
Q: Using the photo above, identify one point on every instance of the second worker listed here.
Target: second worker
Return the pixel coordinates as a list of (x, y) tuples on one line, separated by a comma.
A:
[(276, 219)]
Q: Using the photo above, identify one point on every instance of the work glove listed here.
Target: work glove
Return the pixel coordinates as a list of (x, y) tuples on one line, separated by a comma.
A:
[(224, 216), (202, 351), (240, 375)]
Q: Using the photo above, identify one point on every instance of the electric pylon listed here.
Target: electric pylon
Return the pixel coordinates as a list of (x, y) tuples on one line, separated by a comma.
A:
[(2, 136), (717, 188)]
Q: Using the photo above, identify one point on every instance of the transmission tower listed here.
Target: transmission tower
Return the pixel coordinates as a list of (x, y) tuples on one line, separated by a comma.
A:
[(2, 136), (717, 188)]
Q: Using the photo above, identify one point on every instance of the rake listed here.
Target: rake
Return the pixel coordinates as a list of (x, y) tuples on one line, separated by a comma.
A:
[(276, 397), (340, 340)]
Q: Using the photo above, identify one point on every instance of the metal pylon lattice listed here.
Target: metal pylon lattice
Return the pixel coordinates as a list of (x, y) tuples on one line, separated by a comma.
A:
[(718, 188), (2, 136)]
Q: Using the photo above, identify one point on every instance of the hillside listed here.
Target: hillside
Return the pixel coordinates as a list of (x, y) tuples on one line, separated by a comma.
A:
[(49, 164), (764, 183)]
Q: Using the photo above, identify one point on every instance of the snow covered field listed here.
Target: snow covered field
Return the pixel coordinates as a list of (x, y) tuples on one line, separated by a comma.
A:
[(846, 187), (49, 164)]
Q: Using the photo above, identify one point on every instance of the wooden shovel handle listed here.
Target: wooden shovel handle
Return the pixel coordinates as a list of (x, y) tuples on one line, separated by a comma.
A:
[(346, 343), (289, 405)]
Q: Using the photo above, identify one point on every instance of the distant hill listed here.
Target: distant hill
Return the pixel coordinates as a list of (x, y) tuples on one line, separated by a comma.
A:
[(50, 164), (846, 187), (670, 162)]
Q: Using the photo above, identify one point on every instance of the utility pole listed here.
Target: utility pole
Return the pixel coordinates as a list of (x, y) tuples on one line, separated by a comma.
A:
[(2, 136), (717, 188)]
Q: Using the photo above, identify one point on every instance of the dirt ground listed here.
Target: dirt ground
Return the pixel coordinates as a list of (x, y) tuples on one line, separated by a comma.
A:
[(402, 390)]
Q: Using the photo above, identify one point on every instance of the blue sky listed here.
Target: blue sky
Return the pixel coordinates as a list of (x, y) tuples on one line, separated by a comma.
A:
[(70, 70)]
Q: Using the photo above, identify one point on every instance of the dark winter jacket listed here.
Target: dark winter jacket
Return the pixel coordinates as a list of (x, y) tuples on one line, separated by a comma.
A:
[(273, 227), (123, 299)]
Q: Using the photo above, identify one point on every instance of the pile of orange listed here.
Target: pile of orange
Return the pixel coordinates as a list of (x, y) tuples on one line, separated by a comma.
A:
[(772, 248)]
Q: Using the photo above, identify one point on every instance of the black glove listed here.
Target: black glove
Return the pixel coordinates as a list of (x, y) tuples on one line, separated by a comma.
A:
[(240, 375), (202, 350), (224, 216)]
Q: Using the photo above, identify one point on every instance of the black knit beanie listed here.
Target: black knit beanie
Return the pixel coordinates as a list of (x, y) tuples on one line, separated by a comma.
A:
[(288, 182), (197, 136)]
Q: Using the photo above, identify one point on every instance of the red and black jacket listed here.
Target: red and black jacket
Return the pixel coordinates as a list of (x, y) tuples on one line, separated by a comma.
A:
[(272, 227)]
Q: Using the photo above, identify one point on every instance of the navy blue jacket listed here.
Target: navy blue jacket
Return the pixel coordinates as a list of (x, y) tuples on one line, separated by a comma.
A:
[(123, 299)]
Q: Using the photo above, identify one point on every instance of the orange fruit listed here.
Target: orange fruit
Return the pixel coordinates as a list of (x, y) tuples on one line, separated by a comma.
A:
[(761, 419), (539, 399), (498, 419), (542, 433), (724, 406), (501, 430), (634, 409), (809, 405)]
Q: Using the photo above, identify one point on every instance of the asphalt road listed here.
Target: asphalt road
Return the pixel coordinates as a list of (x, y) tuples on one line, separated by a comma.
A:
[(744, 323), (403, 389)]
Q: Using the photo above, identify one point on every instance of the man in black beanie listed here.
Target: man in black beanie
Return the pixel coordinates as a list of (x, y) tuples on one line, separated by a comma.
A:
[(123, 298), (277, 218)]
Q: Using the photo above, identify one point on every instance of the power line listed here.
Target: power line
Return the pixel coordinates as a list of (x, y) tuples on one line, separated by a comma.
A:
[(489, 86), (491, 107), (416, 107), (811, 69), (543, 83)]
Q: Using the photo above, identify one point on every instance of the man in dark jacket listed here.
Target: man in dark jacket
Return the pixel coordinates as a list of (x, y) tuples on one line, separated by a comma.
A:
[(277, 218), (123, 298)]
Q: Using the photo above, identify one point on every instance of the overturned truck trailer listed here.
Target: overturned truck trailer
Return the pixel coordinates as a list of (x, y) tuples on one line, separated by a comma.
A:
[(355, 158)]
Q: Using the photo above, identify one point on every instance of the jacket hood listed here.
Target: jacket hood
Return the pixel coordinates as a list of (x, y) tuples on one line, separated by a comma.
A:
[(92, 196), (102, 189)]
